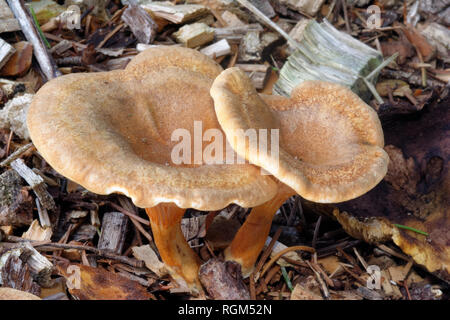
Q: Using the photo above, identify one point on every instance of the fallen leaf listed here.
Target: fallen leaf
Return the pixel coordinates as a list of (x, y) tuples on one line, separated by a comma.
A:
[(100, 284), (151, 260)]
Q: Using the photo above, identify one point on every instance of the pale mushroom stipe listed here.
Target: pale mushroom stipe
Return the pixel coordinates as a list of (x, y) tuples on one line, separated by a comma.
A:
[(330, 148), (111, 133)]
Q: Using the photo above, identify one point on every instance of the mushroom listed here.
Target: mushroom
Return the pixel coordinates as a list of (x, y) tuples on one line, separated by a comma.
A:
[(330, 147), (111, 132)]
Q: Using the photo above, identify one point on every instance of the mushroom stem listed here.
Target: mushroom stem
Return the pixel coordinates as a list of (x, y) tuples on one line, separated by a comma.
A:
[(182, 262), (250, 239)]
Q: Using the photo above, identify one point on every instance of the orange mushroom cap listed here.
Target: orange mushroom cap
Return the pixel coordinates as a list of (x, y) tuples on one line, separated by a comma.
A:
[(111, 132), (330, 141)]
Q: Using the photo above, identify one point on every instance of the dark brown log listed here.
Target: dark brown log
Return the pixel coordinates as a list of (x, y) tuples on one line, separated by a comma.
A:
[(415, 191)]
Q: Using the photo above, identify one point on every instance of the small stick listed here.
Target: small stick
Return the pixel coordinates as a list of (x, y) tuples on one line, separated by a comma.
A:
[(347, 23), (360, 258), (393, 252), (268, 250), (268, 22), (16, 154), (28, 27), (252, 287), (323, 286), (316, 231), (109, 36), (282, 253), (44, 219), (128, 213), (61, 246), (36, 183)]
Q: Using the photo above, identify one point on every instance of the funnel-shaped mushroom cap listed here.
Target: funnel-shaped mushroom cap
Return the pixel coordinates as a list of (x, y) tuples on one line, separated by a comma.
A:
[(112, 132), (330, 141)]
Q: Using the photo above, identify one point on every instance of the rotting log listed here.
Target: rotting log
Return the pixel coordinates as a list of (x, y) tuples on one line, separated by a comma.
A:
[(414, 193)]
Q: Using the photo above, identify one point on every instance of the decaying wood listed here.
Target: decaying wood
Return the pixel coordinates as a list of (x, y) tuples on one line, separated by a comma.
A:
[(308, 7), (8, 22), (329, 55), (114, 228), (37, 233), (194, 35), (16, 274), (223, 280), (263, 18), (16, 205), (140, 23), (258, 73), (36, 182), (250, 48), (44, 219), (231, 20), (45, 61), (40, 267), (6, 51), (235, 34), (179, 13), (265, 7), (217, 49), (95, 220), (193, 228), (61, 47), (415, 191), (16, 154)]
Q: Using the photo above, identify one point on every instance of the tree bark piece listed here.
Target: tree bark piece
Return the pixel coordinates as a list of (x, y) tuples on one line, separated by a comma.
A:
[(36, 182), (16, 205), (223, 280), (235, 34), (39, 266), (140, 23), (15, 273), (114, 229)]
